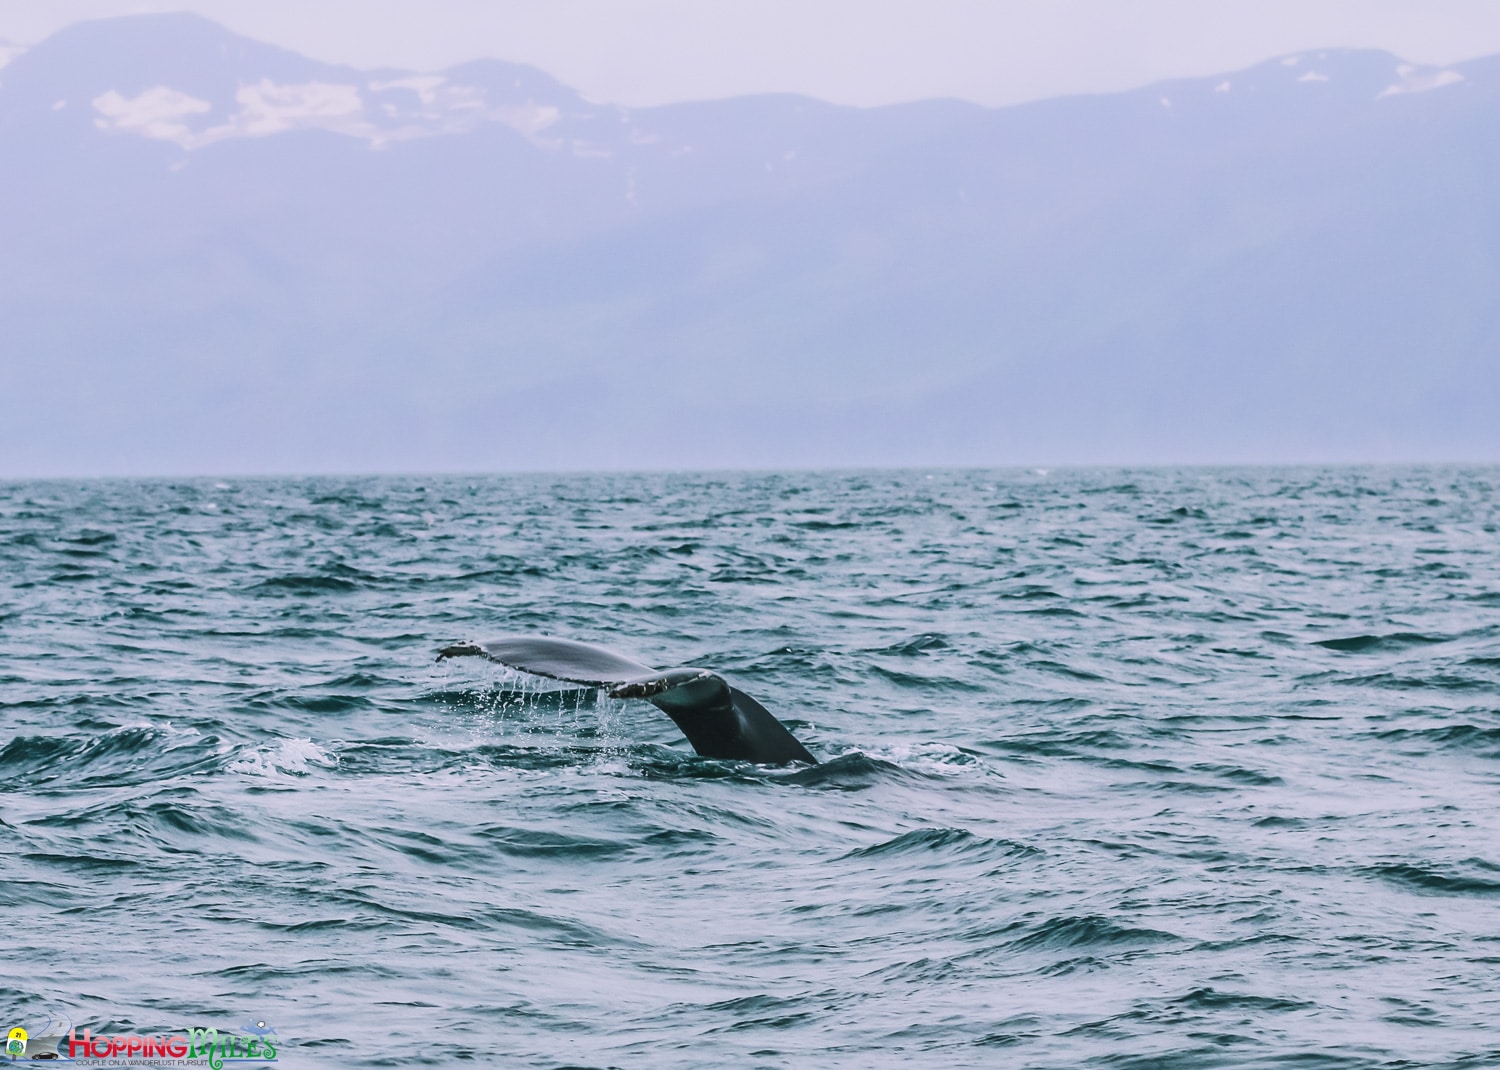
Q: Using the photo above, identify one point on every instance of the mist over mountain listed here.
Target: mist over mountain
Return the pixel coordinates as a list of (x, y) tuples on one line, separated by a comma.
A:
[(219, 256)]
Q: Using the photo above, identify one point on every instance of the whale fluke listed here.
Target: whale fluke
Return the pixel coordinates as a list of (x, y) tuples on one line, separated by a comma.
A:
[(720, 721)]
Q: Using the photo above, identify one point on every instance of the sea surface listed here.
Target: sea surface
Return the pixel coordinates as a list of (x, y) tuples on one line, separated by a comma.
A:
[(1120, 768)]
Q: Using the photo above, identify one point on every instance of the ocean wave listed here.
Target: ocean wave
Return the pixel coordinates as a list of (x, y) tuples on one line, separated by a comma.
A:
[(1235, 751)]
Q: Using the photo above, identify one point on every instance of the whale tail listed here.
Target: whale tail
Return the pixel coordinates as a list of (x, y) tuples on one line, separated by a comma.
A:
[(720, 721)]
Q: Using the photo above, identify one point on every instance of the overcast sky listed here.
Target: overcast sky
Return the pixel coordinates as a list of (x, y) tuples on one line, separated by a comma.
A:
[(639, 52)]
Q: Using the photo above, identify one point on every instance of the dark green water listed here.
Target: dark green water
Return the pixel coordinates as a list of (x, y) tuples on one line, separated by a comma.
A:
[(1159, 768)]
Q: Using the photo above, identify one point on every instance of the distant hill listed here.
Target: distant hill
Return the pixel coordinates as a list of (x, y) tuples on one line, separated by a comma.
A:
[(218, 256)]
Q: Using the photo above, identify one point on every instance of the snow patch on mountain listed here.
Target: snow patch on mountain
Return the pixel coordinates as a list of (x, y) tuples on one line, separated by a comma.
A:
[(425, 86), (381, 112), (160, 112), (1418, 80), (268, 108)]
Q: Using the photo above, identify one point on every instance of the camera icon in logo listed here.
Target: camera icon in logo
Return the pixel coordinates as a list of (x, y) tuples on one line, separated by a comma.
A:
[(15, 1043)]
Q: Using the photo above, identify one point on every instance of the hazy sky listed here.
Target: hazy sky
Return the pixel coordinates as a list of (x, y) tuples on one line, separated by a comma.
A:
[(639, 52)]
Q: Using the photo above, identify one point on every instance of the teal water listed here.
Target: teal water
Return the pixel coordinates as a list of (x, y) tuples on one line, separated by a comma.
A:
[(1157, 768)]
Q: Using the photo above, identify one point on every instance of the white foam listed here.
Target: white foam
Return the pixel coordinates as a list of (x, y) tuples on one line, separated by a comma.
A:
[(160, 729), (1222, 87), (284, 756), (941, 759), (172, 730), (1313, 76)]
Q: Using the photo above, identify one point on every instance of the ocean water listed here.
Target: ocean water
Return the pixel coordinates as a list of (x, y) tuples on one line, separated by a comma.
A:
[(1120, 768)]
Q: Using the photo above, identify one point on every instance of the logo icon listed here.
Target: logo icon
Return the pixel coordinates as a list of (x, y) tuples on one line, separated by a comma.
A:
[(15, 1043)]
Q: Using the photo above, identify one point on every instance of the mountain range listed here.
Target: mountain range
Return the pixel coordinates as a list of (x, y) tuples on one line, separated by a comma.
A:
[(217, 256)]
